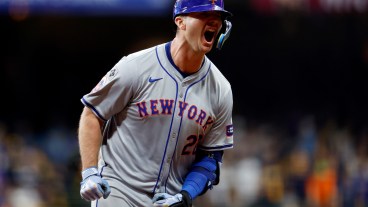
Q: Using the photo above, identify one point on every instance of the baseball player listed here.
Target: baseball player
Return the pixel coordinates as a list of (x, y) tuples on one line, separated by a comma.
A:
[(154, 129)]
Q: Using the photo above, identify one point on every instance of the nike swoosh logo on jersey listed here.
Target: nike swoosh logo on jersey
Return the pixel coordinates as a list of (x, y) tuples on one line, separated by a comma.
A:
[(151, 80)]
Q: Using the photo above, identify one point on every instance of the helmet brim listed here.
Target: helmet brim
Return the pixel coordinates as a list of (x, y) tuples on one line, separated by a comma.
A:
[(205, 8)]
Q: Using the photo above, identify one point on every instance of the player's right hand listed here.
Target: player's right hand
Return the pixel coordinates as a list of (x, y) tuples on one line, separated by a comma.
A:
[(93, 187), (181, 199)]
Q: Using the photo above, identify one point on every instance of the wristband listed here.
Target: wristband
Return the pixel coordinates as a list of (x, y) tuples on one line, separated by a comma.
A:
[(89, 171), (187, 200)]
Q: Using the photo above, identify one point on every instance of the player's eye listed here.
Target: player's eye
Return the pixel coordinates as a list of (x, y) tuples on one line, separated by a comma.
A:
[(201, 15)]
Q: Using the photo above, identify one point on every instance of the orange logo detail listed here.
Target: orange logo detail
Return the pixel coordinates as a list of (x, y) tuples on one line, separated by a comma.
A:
[(213, 1)]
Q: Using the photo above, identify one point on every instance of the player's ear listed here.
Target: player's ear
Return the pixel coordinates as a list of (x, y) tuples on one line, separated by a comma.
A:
[(180, 22)]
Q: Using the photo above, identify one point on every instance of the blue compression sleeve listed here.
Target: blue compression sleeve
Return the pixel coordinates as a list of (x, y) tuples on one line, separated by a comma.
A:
[(201, 176), (194, 184)]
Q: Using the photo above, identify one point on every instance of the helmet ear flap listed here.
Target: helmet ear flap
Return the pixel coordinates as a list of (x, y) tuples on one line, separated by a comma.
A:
[(224, 33)]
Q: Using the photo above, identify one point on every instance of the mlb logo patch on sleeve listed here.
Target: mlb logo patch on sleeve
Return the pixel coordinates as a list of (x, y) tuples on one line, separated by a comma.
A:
[(229, 130)]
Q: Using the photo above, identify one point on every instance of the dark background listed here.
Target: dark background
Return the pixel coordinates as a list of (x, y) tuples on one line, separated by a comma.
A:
[(282, 63)]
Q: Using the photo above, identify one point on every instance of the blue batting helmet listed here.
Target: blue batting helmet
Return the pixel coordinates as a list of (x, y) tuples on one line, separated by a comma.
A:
[(189, 6)]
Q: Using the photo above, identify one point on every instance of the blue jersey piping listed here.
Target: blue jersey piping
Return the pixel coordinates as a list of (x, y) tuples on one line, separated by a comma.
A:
[(217, 147), (85, 102), (172, 117)]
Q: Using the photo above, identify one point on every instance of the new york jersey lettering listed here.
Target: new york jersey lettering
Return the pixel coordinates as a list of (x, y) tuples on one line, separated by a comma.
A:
[(165, 107)]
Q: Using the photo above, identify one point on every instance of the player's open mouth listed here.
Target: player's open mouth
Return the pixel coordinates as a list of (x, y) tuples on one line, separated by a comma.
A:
[(208, 35)]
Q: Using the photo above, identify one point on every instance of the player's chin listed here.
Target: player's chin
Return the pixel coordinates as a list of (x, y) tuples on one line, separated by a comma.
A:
[(206, 49), (207, 46)]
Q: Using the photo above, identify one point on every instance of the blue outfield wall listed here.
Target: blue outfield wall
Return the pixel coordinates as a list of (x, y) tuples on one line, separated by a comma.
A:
[(88, 7)]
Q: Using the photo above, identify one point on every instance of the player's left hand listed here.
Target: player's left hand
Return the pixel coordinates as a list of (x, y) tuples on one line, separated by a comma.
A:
[(93, 186), (181, 199)]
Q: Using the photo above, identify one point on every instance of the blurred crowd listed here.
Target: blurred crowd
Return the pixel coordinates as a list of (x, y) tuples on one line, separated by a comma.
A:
[(39, 170), (298, 164)]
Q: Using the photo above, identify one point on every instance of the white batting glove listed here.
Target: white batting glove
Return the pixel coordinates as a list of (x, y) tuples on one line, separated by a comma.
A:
[(166, 200), (93, 187)]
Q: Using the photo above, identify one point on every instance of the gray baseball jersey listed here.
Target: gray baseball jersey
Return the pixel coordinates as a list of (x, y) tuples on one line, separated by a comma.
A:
[(157, 118)]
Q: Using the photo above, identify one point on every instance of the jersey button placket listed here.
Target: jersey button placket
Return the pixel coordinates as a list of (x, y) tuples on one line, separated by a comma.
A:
[(182, 89), (171, 149)]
